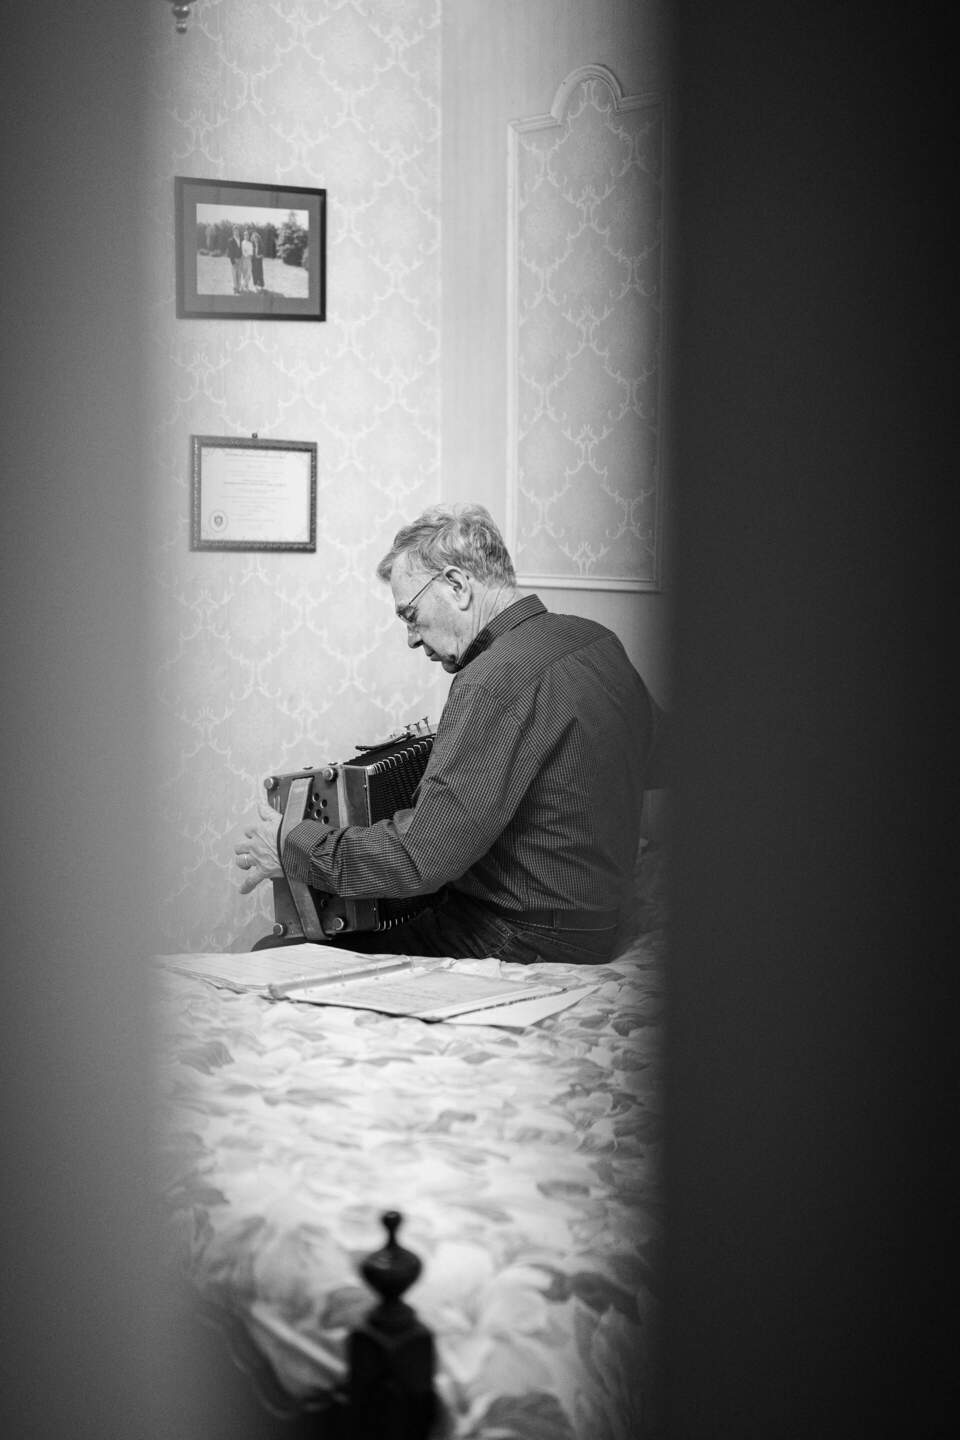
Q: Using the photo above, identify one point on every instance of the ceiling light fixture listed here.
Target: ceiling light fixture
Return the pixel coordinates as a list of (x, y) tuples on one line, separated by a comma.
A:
[(181, 14)]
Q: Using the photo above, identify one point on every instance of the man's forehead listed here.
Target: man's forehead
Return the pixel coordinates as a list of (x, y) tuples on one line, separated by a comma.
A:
[(405, 576)]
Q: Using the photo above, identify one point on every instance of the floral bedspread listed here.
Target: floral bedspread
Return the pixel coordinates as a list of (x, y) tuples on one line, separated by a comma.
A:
[(525, 1164)]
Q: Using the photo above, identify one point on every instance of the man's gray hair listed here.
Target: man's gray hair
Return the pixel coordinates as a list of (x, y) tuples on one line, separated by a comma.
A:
[(462, 535)]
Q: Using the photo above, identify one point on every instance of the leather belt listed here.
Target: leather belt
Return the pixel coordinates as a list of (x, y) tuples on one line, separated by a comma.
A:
[(561, 919)]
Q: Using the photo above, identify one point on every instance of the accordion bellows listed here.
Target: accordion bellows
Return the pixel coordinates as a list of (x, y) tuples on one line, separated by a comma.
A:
[(373, 785)]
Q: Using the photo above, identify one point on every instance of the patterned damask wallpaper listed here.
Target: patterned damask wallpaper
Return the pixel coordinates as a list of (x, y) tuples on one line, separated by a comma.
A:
[(587, 315), (270, 661)]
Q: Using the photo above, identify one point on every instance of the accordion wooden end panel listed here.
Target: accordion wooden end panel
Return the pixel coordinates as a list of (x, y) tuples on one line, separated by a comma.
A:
[(377, 782)]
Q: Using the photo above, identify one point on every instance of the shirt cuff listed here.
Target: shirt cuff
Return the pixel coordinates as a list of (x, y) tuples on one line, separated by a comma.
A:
[(301, 850)]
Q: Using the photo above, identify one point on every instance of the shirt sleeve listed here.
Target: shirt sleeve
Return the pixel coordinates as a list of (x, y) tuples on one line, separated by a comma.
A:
[(481, 765)]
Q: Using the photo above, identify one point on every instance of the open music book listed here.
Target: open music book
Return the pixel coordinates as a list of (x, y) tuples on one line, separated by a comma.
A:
[(390, 984)]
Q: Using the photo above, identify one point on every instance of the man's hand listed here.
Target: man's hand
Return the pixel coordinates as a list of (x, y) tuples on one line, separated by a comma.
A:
[(257, 855)]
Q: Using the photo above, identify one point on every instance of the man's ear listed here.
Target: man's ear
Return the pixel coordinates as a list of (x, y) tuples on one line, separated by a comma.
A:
[(461, 585)]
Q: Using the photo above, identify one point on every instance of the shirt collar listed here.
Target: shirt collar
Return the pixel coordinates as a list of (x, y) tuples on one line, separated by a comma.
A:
[(508, 619)]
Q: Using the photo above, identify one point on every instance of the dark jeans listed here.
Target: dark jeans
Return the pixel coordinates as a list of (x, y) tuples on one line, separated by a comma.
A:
[(461, 928)]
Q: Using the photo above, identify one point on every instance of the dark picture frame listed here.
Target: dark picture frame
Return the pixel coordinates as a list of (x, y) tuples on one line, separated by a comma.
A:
[(253, 494), (283, 277)]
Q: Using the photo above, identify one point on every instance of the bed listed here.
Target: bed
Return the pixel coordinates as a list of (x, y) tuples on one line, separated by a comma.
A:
[(525, 1164)]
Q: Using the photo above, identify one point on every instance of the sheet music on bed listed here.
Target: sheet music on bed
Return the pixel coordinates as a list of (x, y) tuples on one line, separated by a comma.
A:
[(272, 972), (390, 984), (437, 993)]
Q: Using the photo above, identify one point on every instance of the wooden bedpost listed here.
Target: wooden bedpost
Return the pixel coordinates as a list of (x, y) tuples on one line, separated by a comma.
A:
[(391, 1354)]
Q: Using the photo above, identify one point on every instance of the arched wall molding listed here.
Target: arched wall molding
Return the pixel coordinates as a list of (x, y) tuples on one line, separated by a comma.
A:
[(585, 337), (578, 77)]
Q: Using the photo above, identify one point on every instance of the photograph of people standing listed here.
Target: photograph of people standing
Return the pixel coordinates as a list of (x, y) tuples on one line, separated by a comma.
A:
[(235, 256), (256, 261), (246, 264)]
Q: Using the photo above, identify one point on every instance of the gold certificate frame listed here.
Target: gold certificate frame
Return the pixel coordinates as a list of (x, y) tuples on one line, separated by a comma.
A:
[(252, 494)]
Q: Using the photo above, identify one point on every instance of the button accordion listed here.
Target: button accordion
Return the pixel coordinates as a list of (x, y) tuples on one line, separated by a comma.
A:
[(377, 782)]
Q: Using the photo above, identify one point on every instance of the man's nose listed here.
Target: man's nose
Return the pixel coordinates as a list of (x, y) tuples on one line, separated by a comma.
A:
[(413, 639)]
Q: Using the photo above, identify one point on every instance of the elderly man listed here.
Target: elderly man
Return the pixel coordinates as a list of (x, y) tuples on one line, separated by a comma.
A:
[(525, 825)]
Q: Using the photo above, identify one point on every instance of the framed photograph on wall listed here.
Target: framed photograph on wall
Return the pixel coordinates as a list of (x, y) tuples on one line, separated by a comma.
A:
[(250, 252), (253, 494)]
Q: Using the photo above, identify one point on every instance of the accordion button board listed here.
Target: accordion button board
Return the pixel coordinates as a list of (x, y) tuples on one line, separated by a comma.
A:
[(373, 785)]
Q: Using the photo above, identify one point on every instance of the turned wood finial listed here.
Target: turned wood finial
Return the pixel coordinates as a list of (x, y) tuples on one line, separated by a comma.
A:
[(391, 1358), (391, 1270)]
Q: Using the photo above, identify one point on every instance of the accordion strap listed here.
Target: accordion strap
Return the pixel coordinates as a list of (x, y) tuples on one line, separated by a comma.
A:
[(293, 812)]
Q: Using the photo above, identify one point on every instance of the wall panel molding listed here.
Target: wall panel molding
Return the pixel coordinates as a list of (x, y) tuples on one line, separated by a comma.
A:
[(585, 338)]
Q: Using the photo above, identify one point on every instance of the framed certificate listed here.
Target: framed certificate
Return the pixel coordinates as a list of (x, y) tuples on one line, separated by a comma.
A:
[(253, 494)]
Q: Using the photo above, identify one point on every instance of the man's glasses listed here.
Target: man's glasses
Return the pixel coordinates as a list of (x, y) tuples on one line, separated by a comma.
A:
[(407, 613)]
